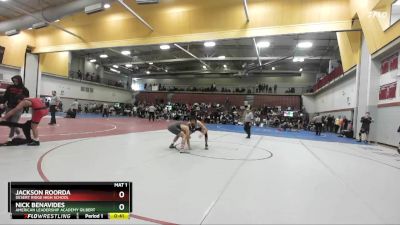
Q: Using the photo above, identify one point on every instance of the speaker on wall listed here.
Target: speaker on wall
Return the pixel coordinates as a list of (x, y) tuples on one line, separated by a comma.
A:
[(1, 54)]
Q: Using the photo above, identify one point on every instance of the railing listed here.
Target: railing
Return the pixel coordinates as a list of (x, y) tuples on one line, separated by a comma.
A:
[(96, 79), (337, 72), (231, 89)]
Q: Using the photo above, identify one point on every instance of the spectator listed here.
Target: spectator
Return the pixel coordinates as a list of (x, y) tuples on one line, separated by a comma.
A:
[(79, 75)]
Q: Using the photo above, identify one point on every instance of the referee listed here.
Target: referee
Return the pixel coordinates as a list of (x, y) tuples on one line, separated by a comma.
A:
[(248, 120), (54, 102)]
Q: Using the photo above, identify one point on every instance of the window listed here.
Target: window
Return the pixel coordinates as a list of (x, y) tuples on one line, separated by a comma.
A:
[(395, 12)]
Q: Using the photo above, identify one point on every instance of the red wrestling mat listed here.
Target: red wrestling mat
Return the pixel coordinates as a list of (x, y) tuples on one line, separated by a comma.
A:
[(90, 127)]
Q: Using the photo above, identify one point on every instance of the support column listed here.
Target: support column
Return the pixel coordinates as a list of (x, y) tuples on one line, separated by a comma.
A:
[(367, 89)]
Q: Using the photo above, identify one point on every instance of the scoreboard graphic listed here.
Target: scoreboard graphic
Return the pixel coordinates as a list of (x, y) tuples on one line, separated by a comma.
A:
[(70, 200)]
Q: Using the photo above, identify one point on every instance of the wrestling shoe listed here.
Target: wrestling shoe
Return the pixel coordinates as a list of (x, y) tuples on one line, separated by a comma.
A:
[(172, 146), (34, 143), (206, 148)]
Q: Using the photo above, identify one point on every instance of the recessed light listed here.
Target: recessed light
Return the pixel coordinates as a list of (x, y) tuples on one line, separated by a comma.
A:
[(128, 65), (204, 67), (56, 21), (225, 66), (115, 66), (166, 71), (298, 59), (150, 63), (273, 68), (301, 69), (263, 44), (305, 44), (106, 6), (209, 44), (92, 60), (164, 47), (147, 72), (221, 57), (126, 52), (103, 56), (30, 28)]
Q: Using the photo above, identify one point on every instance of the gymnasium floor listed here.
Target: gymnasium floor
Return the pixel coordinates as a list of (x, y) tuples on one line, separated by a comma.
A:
[(274, 177)]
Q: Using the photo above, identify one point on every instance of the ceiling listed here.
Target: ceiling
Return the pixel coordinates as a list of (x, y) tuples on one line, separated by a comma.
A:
[(32, 6), (240, 56)]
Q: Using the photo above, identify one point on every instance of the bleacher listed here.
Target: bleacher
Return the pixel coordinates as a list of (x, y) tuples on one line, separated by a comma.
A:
[(293, 101), (151, 97), (259, 100)]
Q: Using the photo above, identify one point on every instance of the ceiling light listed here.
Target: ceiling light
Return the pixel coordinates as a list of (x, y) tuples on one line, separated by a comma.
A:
[(298, 59), (30, 28), (165, 47), (128, 65), (3, 0), (126, 52), (225, 66), (115, 66), (301, 69), (263, 44), (150, 63), (147, 72), (92, 60), (305, 44), (114, 70), (221, 57), (204, 67), (397, 3), (273, 68), (166, 71), (103, 56), (106, 6), (56, 21), (209, 44), (12, 32)]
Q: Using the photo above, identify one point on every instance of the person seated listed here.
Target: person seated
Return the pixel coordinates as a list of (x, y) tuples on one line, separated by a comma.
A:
[(71, 113), (347, 133)]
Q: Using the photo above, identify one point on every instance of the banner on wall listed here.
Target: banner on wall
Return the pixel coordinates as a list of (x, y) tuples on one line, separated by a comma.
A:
[(390, 63), (388, 91)]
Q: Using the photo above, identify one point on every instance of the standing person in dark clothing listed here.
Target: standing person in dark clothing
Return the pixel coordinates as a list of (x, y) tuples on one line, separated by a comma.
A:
[(54, 103), (345, 123), (330, 123), (365, 125), (10, 97), (248, 120), (275, 88), (317, 120)]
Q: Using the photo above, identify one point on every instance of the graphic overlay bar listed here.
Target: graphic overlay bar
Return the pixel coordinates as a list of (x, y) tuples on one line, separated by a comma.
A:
[(70, 200)]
